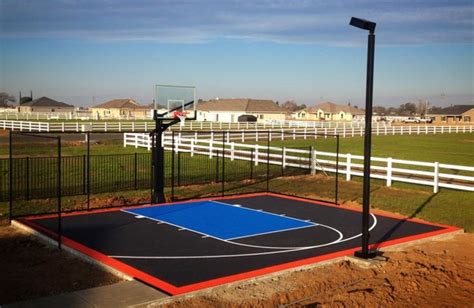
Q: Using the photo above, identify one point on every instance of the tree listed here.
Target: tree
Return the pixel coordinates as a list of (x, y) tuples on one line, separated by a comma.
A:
[(380, 110), (25, 99), (6, 99), (407, 109), (434, 109), (292, 106)]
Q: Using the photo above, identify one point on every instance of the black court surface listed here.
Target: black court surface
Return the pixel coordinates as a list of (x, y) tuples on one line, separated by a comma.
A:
[(187, 246)]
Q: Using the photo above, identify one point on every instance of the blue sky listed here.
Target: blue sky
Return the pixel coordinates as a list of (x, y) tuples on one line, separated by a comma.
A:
[(75, 50)]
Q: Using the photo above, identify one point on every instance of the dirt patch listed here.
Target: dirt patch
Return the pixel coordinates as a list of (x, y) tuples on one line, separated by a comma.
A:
[(436, 273), (30, 268)]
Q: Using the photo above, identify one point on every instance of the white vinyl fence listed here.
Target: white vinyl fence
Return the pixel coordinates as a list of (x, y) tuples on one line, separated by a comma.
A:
[(57, 126), (250, 131), (388, 169)]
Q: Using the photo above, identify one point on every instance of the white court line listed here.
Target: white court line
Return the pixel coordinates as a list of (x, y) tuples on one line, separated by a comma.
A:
[(236, 206), (340, 240), (269, 232), (262, 211), (204, 235)]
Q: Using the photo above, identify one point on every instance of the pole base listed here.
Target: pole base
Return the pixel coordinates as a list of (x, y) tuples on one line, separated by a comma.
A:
[(370, 254)]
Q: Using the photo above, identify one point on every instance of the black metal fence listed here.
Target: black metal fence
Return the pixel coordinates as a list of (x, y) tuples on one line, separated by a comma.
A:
[(35, 178)]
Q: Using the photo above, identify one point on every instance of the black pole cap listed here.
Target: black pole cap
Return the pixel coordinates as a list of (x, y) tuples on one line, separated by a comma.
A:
[(363, 24)]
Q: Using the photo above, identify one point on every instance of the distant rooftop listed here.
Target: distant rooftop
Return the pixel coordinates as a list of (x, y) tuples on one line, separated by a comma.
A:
[(454, 110), (240, 104), (335, 108), (46, 102)]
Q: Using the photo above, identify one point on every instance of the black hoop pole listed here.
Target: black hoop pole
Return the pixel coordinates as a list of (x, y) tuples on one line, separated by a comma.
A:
[(158, 156)]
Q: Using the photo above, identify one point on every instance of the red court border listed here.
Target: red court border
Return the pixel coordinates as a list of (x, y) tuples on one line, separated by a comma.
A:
[(174, 290)]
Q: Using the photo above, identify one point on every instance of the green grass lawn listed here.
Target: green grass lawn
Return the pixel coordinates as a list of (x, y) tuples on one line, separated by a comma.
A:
[(448, 206)]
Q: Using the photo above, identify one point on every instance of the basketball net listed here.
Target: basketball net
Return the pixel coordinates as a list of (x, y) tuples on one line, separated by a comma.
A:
[(181, 115)]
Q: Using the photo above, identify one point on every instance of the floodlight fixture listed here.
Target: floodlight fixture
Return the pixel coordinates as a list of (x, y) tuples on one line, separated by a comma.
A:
[(363, 24)]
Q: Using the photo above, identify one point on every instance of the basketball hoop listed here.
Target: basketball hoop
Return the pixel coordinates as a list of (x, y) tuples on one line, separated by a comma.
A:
[(181, 115)]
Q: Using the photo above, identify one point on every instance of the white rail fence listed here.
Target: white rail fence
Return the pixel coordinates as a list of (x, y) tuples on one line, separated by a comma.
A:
[(189, 125), (249, 131), (389, 169)]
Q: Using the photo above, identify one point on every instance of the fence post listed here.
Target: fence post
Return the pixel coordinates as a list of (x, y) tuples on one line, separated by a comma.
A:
[(436, 177), (59, 181), (84, 189), (191, 146), (27, 178), (217, 167), (389, 171), (251, 164), (256, 155), (294, 134), (135, 170), (312, 155), (179, 168), (88, 171), (348, 167), (418, 130), (232, 148), (211, 144)]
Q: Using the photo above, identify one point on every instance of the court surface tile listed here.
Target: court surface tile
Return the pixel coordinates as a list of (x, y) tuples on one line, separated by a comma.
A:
[(187, 246)]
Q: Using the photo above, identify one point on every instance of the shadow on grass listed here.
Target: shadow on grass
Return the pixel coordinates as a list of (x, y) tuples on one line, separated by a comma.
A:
[(418, 210)]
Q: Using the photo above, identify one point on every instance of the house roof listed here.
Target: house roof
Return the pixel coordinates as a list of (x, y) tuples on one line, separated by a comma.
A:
[(46, 102), (121, 103), (454, 110), (241, 104), (335, 108), (152, 105)]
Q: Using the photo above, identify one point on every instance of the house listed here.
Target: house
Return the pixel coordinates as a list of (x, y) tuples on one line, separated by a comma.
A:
[(458, 114), (333, 112), (46, 105), (301, 114), (125, 108), (230, 110)]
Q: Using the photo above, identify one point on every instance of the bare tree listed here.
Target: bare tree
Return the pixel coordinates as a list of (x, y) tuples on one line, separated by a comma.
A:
[(6, 99)]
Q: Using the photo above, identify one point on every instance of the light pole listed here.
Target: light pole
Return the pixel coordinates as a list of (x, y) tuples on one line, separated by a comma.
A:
[(370, 26)]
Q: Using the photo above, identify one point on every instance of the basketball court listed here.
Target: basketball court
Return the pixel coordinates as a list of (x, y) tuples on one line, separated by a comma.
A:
[(187, 246)]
